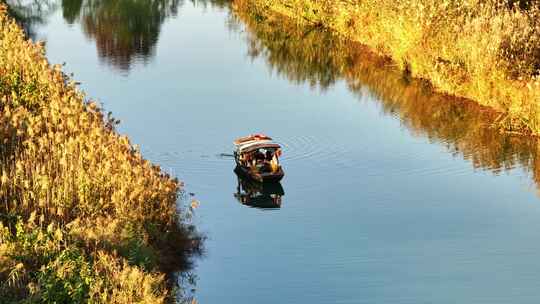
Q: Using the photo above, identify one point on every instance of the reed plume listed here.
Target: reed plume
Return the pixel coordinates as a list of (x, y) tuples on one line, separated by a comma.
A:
[(487, 51), (83, 216)]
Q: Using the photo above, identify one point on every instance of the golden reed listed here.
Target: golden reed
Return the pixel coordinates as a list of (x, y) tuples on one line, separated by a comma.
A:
[(307, 55), (484, 50), (83, 217)]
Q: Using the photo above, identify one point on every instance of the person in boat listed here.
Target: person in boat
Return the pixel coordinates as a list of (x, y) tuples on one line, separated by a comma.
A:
[(274, 163), (267, 161), (269, 155), (260, 155), (261, 160)]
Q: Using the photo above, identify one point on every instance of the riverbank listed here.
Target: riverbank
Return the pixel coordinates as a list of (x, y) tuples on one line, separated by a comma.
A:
[(307, 55), (83, 216), (486, 52)]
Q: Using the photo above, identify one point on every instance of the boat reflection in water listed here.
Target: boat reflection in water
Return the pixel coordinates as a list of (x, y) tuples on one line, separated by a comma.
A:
[(259, 195)]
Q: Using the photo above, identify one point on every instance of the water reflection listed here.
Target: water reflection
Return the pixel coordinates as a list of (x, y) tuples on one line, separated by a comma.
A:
[(31, 14), (178, 256), (259, 195), (71, 10), (317, 57), (124, 30)]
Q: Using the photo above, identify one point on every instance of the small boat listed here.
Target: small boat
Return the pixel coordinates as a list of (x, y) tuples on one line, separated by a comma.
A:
[(257, 157)]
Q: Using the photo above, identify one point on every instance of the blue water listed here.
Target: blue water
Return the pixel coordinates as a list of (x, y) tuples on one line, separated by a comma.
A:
[(374, 211)]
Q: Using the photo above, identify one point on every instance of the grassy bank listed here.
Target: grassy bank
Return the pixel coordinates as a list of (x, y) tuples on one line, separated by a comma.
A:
[(83, 217), (307, 54), (484, 50)]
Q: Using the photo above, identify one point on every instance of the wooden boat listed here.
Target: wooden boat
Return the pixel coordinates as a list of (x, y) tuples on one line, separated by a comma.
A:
[(257, 157)]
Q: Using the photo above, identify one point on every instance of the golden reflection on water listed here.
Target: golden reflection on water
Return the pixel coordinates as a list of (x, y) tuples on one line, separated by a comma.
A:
[(312, 55)]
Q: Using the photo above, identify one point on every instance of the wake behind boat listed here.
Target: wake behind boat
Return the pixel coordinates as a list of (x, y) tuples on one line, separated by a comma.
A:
[(257, 157)]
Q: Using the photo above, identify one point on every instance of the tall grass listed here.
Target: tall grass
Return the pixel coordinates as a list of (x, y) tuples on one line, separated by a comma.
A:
[(83, 216), (309, 54), (484, 50)]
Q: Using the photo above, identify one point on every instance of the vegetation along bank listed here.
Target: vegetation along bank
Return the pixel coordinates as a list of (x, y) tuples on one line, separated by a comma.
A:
[(83, 216), (484, 50)]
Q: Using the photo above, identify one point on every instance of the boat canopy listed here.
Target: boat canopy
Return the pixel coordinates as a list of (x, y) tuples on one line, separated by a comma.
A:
[(254, 142), (252, 137), (250, 147)]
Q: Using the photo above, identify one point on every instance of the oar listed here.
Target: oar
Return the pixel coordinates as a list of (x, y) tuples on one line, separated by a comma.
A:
[(226, 155)]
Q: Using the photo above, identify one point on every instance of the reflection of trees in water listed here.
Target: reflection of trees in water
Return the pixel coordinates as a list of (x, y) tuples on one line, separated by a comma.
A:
[(71, 10), (125, 30), (30, 13), (298, 55), (213, 3), (122, 29), (310, 55)]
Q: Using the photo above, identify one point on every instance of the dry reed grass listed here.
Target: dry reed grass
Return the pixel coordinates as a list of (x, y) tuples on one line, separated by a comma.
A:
[(305, 54), (83, 217), (484, 50)]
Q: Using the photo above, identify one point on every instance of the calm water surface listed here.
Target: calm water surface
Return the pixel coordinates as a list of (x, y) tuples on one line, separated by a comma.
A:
[(392, 194)]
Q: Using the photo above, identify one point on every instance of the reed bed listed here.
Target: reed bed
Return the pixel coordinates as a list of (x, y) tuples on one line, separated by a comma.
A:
[(484, 50), (83, 216), (308, 54)]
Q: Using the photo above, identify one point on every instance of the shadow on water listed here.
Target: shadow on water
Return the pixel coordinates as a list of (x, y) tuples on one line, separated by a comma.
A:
[(179, 253), (311, 55), (259, 195)]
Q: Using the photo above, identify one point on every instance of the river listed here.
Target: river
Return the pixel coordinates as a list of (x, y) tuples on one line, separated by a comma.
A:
[(392, 193)]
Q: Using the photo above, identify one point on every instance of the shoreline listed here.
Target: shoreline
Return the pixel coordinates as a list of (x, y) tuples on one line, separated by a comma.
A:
[(305, 55), (449, 61), (83, 216)]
